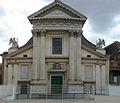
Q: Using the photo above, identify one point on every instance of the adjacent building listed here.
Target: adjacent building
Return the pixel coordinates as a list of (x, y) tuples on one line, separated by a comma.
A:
[(57, 58), (113, 50)]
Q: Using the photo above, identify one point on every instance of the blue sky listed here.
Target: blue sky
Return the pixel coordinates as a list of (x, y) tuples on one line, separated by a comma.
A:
[(103, 19)]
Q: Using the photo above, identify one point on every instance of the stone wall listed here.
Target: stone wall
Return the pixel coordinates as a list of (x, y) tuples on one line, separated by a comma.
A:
[(7, 91), (114, 90)]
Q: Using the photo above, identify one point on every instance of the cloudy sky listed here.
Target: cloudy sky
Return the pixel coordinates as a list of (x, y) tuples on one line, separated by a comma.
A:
[(103, 19)]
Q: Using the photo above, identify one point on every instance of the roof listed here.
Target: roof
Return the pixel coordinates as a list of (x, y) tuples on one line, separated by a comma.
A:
[(112, 48), (83, 40), (30, 42)]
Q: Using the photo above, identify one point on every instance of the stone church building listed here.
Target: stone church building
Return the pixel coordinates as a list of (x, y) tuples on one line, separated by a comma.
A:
[(57, 58)]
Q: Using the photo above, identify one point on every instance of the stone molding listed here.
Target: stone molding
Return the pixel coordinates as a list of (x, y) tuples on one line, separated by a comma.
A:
[(79, 33), (75, 32), (39, 32), (71, 33)]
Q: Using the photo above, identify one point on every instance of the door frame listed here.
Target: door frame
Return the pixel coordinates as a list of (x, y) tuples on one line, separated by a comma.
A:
[(56, 76)]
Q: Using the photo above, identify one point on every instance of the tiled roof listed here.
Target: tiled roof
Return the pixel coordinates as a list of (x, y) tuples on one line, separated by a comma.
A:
[(112, 48)]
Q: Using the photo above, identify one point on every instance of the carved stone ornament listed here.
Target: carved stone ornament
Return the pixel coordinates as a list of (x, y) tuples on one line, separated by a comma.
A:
[(14, 42), (71, 33), (40, 32), (56, 66), (79, 32)]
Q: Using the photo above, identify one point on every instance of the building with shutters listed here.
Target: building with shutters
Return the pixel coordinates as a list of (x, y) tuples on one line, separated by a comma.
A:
[(57, 58)]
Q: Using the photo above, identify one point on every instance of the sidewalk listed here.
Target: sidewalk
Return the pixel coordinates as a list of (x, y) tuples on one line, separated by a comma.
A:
[(98, 99)]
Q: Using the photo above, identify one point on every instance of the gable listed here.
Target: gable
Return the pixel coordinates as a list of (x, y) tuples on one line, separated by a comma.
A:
[(25, 50), (57, 14), (28, 52), (57, 9), (85, 53)]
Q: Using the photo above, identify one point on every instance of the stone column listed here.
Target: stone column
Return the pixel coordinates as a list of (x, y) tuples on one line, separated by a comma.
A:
[(42, 54), (35, 56), (78, 55), (71, 55)]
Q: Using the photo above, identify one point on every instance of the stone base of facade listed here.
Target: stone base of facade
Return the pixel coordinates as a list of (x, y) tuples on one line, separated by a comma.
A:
[(38, 86), (75, 86), (103, 91)]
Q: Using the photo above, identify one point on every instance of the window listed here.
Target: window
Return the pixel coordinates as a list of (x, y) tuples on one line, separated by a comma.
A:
[(23, 88), (24, 55), (89, 88), (24, 72), (57, 46), (115, 79), (89, 72), (89, 56)]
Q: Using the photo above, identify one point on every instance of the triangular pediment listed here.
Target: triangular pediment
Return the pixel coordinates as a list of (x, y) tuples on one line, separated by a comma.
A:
[(57, 9), (57, 14)]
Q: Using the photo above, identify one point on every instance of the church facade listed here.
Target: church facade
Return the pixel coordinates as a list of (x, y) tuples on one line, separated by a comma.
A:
[(57, 58)]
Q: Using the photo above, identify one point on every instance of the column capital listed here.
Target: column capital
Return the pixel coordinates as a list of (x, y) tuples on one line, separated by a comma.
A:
[(79, 33), (71, 33), (34, 32), (37, 32), (42, 32)]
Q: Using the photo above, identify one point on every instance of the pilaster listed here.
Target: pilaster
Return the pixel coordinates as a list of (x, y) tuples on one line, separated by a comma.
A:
[(42, 54), (35, 55), (9, 79), (98, 79), (71, 55), (78, 55), (15, 74), (38, 54)]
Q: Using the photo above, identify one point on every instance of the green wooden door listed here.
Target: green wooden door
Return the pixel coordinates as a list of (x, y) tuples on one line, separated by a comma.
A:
[(24, 89), (56, 84)]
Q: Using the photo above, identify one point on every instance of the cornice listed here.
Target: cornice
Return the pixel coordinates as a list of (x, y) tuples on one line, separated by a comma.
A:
[(53, 18), (14, 58), (85, 58)]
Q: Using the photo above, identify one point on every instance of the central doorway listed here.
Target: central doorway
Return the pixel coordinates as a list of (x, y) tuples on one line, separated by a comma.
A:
[(56, 84)]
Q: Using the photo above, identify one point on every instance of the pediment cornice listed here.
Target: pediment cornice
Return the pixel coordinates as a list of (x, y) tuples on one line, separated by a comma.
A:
[(58, 6)]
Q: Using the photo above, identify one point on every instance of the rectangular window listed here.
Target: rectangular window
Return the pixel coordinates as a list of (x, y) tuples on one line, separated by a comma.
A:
[(115, 79), (89, 88), (24, 72), (23, 88), (56, 45), (89, 72)]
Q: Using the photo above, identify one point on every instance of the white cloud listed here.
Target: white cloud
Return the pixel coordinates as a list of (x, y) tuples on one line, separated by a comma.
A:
[(15, 23)]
